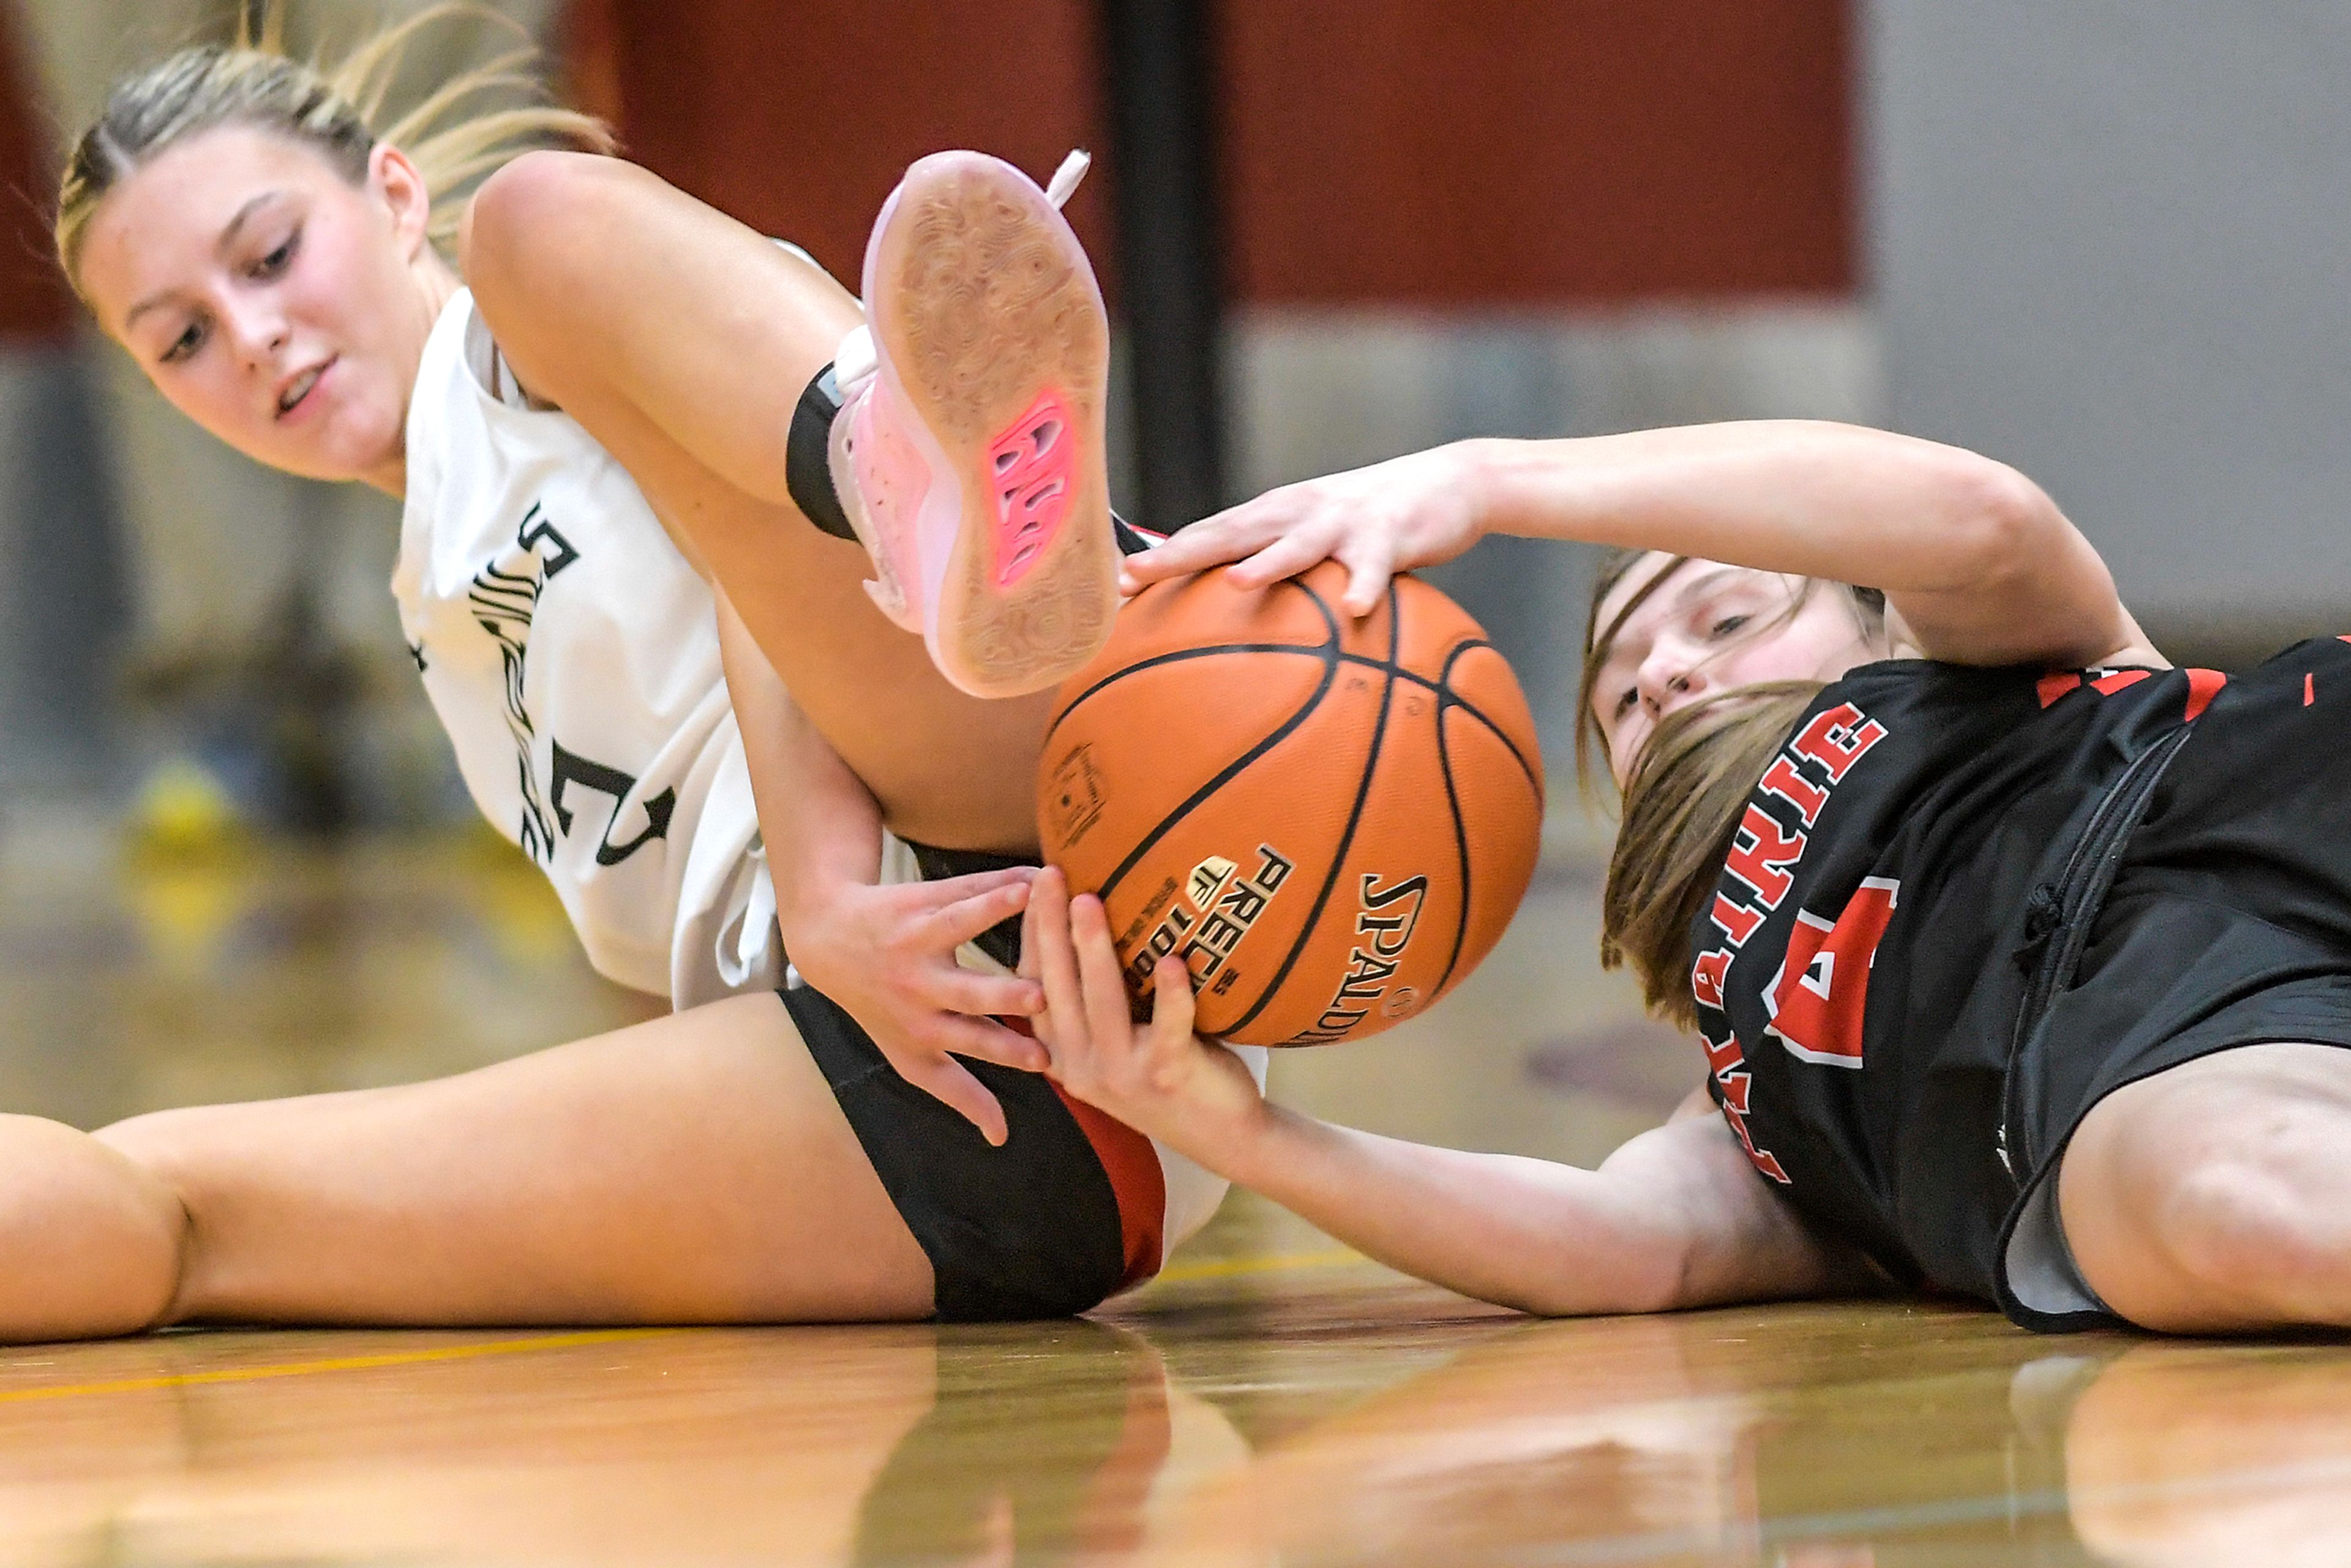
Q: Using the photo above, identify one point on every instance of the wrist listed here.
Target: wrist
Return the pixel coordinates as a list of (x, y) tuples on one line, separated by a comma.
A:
[(1476, 470), (1244, 1147), (807, 909)]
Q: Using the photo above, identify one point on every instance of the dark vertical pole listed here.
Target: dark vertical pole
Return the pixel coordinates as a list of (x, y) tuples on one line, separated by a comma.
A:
[(1163, 165)]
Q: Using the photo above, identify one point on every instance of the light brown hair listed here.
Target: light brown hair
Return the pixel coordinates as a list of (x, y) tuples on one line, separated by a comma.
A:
[(334, 109), (1682, 807), (1681, 804)]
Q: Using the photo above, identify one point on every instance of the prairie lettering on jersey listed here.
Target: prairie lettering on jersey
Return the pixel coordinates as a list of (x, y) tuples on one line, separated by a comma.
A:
[(1815, 999)]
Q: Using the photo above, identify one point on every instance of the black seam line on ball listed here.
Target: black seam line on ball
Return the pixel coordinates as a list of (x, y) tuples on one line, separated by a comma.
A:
[(1460, 846), (1327, 649), (1435, 686), (1440, 686), (1454, 699), (1233, 769), (1309, 649), (1354, 819), (1186, 655), (1318, 650)]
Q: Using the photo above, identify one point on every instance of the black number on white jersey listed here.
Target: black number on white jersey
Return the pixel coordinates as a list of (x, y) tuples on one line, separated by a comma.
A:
[(566, 769)]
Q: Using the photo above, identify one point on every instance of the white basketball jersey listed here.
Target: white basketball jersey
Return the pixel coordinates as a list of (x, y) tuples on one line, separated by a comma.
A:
[(572, 654)]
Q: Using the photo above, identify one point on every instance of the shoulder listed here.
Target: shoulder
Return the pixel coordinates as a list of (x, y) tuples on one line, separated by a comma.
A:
[(1907, 683)]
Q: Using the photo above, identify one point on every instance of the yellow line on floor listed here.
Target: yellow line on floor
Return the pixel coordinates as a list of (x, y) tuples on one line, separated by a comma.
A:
[(1231, 1268), (1212, 1269), (333, 1364)]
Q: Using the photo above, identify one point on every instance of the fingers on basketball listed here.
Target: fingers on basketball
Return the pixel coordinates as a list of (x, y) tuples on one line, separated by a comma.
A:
[(1102, 980), (1171, 1017), (1368, 571), (1221, 536), (1065, 1017)]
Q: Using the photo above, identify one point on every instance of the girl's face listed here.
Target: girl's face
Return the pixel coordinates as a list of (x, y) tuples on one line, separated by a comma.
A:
[(276, 304), (1708, 628)]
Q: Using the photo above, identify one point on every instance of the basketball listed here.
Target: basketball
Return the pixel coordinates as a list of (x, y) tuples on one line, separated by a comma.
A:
[(1330, 820)]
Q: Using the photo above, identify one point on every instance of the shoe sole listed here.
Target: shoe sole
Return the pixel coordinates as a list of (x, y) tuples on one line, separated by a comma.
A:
[(991, 332)]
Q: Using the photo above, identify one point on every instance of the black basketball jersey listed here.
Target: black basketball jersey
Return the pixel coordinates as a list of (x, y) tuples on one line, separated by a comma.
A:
[(1861, 968)]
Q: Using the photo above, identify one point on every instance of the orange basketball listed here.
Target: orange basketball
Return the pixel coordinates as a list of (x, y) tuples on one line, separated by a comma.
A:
[(1330, 820)]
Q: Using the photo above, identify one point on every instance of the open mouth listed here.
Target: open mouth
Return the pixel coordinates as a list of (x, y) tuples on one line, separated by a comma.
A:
[(297, 389)]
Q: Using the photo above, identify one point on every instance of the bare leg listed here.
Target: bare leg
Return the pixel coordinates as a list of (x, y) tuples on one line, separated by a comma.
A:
[(694, 1169), (2215, 1197), (681, 341)]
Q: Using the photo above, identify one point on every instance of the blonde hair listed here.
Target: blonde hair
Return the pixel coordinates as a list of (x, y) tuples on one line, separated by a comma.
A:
[(335, 109)]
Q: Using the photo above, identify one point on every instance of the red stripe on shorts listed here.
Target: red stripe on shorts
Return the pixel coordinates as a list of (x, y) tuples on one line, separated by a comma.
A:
[(2057, 684), (1137, 1180), (2203, 685)]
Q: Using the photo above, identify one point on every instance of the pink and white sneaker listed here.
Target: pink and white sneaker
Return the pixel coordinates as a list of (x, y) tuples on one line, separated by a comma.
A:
[(968, 450)]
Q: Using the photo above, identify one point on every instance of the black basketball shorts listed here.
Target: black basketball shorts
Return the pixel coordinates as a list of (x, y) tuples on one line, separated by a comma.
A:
[(1073, 1207), (2228, 923)]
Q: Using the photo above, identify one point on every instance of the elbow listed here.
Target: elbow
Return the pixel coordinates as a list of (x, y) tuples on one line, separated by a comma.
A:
[(542, 204), (1631, 1286), (1999, 522)]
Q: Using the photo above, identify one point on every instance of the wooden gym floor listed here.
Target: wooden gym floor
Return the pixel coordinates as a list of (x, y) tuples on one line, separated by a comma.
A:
[(1273, 1399)]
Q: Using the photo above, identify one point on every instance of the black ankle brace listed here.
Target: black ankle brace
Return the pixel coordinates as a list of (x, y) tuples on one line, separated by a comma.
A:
[(808, 456)]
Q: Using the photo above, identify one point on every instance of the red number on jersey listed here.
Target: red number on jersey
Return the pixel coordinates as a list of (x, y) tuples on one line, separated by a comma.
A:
[(1818, 998)]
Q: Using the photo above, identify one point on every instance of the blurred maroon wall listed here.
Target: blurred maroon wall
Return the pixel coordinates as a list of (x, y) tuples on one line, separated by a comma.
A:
[(799, 119), (1524, 150), (1393, 151), (33, 303)]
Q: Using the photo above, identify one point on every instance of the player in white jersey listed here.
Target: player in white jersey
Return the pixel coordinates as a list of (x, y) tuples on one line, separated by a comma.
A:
[(605, 445)]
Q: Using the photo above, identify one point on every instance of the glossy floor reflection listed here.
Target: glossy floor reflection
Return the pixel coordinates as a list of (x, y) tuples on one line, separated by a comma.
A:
[(1272, 1400)]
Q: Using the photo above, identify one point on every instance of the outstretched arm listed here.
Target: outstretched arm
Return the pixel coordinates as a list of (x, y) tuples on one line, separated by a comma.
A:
[(1980, 564), (1673, 1218)]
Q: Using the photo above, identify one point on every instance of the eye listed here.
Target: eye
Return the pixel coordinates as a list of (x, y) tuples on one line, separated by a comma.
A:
[(276, 262), (1625, 703), (1726, 626), (186, 344)]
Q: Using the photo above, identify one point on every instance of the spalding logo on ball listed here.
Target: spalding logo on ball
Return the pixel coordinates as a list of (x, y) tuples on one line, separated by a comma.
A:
[(1329, 821)]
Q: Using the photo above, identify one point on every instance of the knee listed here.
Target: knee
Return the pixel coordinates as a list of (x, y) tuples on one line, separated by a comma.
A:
[(96, 1242), (2248, 1236), (151, 1148)]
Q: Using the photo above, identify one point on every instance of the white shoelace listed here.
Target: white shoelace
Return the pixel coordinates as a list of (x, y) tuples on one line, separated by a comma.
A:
[(1064, 182)]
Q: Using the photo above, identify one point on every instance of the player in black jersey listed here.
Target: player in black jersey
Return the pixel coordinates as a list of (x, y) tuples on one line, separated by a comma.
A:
[(2019, 959)]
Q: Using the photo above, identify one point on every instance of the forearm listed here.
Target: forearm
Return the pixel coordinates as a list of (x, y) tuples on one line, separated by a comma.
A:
[(1978, 559), (1675, 1217), (1524, 1233), (821, 826), (1823, 500), (604, 284)]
